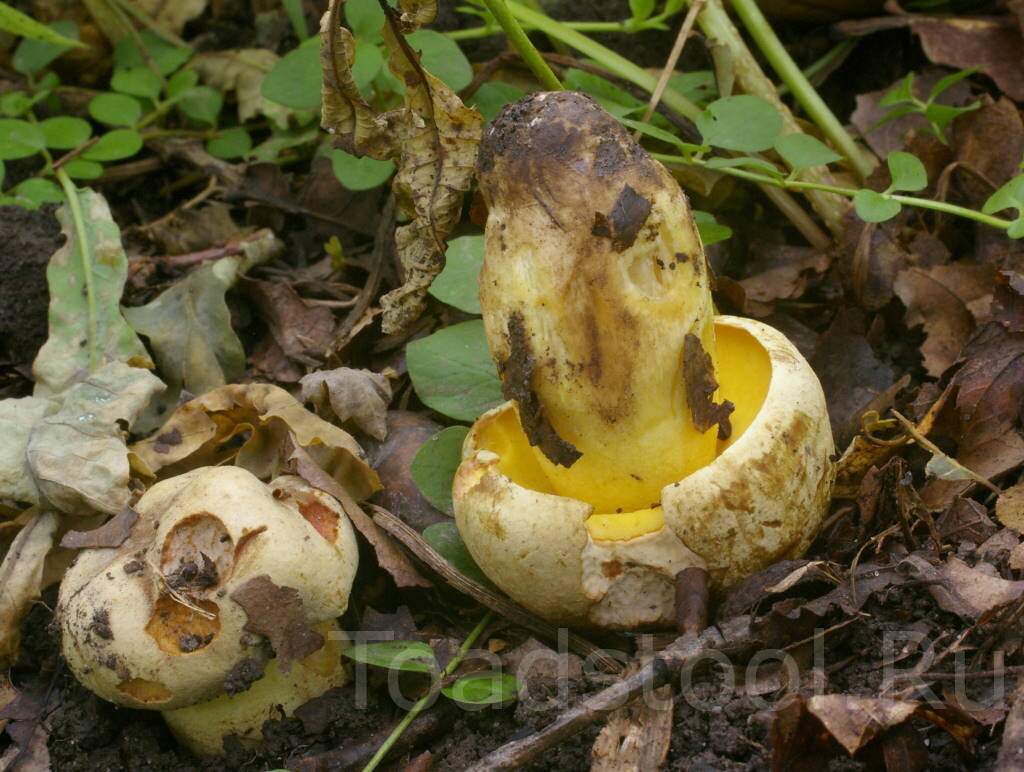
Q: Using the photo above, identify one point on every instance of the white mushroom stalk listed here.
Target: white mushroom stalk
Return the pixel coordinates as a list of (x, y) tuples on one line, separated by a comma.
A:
[(219, 570), (643, 435)]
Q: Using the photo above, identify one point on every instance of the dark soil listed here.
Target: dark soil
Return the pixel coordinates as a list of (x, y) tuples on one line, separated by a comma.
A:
[(28, 239)]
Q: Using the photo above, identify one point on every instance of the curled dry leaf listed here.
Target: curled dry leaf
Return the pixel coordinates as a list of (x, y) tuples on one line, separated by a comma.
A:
[(972, 593), (21, 576), (432, 140), (198, 434), (1010, 507), (303, 332), (360, 396), (111, 534)]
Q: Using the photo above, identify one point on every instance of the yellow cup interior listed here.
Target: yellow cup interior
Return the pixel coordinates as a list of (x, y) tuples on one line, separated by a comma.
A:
[(743, 372)]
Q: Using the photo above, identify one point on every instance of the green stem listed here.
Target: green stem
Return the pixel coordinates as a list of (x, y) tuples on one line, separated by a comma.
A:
[(805, 93), (837, 51), (779, 182), (426, 699), (522, 44), (85, 248), (605, 57)]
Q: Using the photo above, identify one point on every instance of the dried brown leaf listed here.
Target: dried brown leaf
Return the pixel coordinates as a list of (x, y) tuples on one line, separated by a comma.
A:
[(276, 612), (360, 396), (303, 332), (202, 428), (947, 300), (969, 592), (855, 721), (1010, 507), (988, 144), (991, 43), (111, 534), (432, 139)]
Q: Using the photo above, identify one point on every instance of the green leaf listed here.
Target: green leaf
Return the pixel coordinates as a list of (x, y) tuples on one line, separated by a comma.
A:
[(893, 114), (709, 230), (368, 63), (279, 141), (659, 134), (904, 92), (641, 9), (86, 277), (453, 373), (365, 18), (19, 139), (874, 207), (698, 86), (295, 80), (446, 539), (232, 143), (39, 49), (907, 171), (433, 467), (14, 103), (202, 104), (115, 109), (1016, 229), (39, 191), (408, 656), (943, 83), (166, 56), (180, 82), (115, 145), (745, 122), (189, 330), (484, 689), (442, 58), (65, 132), (946, 468), (137, 81), (458, 284), (491, 97), (1009, 196), (359, 173), (17, 23), (759, 164), (80, 169), (802, 151), (943, 115)]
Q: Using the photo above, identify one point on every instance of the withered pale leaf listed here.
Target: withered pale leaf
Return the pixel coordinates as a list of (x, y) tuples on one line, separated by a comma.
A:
[(86, 279), (77, 453), (21, 575), (17, 417), (1010, 507), (111, 534), (432, 140), (198, 434), (189, 328), (361, 396), (242, 71)]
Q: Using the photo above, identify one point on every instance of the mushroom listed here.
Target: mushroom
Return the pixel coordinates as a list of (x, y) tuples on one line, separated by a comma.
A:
[(642, 434), (177, 618)]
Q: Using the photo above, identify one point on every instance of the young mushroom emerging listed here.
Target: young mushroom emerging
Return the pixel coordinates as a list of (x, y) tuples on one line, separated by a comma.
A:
[(217, 566), (643, 435)]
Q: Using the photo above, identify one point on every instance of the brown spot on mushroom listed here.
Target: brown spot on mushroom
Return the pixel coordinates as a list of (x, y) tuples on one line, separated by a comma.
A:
[(516, 372), (699, 377), (612, 568), (149, 692), (322, 518), (624, 221), (171, 620), (243, 675), (247, 539), (101, 624), (200, 541)]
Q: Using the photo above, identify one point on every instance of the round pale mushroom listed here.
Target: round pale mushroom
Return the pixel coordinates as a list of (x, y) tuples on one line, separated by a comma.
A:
[(217, 563)]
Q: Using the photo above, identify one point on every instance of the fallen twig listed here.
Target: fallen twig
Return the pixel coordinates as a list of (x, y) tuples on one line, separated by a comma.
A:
[(660, 670)]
